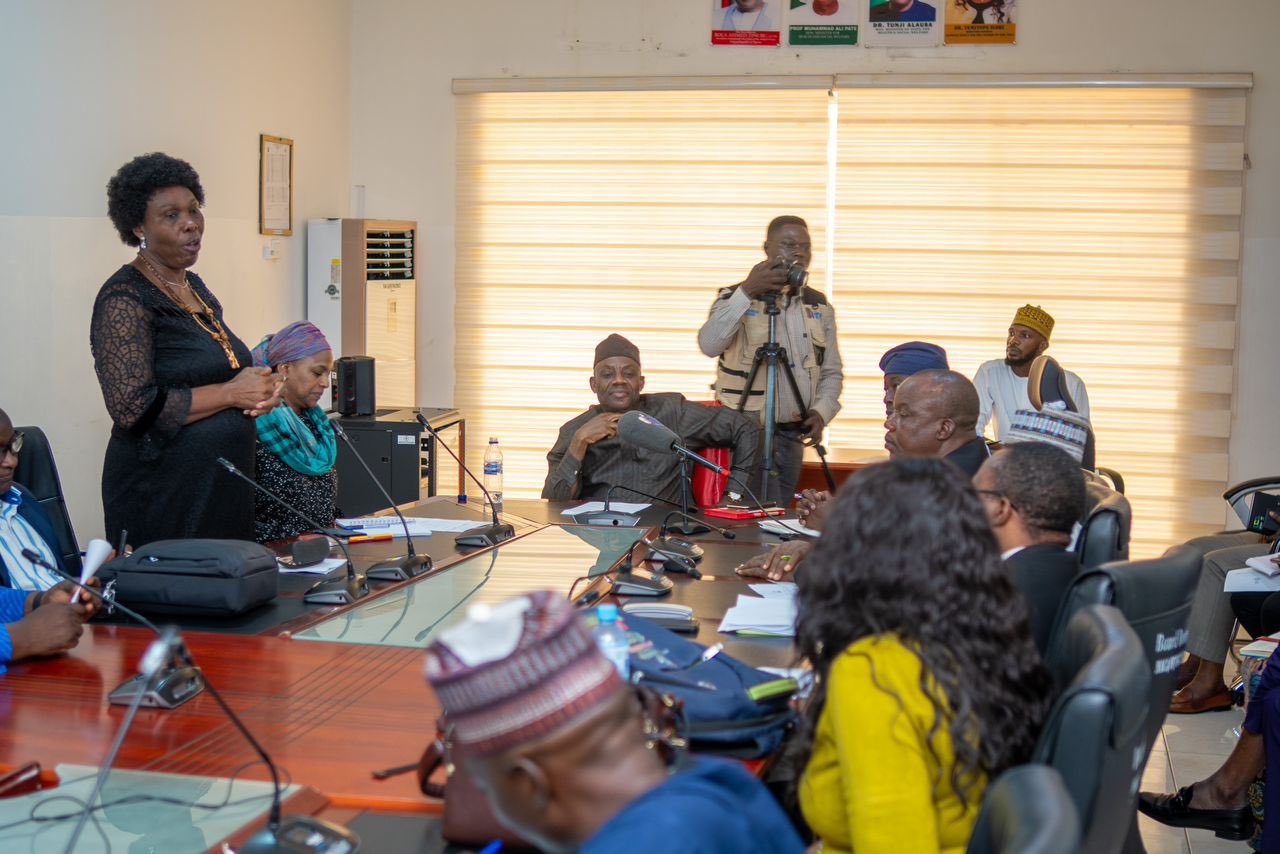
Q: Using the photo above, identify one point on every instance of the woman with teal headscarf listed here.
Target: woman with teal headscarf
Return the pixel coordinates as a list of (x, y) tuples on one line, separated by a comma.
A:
[(296, 447)]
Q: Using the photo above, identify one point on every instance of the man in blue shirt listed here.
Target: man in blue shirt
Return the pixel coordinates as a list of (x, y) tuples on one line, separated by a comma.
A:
[(558, 742), (40, 623), (23, 523)]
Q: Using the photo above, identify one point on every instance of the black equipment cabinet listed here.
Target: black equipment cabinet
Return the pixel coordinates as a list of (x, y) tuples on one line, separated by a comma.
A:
[(393, 444)]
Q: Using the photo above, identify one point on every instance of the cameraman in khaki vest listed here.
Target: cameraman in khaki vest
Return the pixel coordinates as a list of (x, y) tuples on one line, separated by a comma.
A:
[(738, 324)]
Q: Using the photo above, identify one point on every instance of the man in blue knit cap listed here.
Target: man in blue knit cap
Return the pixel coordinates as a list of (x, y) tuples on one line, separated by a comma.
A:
[(898, 363), (902, 361)]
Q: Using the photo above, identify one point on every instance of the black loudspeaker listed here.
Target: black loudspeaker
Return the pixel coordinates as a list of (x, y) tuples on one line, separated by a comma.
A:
[(353, 385)]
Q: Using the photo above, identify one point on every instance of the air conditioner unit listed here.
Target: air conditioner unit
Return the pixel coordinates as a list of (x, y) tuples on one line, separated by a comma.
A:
[(362, 293)]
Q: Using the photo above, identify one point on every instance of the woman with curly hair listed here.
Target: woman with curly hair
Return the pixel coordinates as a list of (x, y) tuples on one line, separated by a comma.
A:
[(928, 680), (179, 385)]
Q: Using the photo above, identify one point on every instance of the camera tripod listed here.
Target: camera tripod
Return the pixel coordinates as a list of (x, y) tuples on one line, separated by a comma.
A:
[(771, 355)]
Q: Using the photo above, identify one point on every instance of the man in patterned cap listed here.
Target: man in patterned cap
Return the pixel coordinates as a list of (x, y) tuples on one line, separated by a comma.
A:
[(1002, 383), (588, 457), (556, 740)]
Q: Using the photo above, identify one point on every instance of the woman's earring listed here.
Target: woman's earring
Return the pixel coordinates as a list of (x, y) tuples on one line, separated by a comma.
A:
[(143, 244)]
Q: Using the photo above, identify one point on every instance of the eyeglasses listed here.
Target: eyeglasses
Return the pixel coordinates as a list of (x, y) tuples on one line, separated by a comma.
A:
[(15, 445), (792, 246)]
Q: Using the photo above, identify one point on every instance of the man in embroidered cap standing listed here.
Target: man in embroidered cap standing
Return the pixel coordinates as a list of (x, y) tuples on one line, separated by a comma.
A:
[(588, 457), (557, 742), (1002, 383)]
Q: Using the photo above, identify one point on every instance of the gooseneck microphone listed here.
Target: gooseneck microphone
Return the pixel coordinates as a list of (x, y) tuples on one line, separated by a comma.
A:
[(491, 534), (288, 836), (175, 685), (150, 668), (648, 432), (397, 568), (327, 591), (294, 833)]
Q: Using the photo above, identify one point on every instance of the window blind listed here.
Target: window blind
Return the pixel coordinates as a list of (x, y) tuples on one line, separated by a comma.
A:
[(935, 212)]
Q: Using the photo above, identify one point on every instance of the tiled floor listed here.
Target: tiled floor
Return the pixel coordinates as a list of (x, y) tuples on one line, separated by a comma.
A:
[(1189, 749)]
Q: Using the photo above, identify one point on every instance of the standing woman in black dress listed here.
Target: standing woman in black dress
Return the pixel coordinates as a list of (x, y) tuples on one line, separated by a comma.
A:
[(179, 385)]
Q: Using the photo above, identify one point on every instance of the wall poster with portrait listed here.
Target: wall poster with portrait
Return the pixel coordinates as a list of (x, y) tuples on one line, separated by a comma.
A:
[(823, 22), (894, 23), (753, 23), (980, 21)]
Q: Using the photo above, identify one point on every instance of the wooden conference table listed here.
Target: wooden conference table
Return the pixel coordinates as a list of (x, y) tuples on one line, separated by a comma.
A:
[(335, 693)]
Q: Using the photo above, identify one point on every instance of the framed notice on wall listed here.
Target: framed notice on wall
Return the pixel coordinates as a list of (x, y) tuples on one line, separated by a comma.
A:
[(275, 185)]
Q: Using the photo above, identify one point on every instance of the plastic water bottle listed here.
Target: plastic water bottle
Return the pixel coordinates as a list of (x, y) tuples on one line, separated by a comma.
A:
[(612, 640), (493, 472)]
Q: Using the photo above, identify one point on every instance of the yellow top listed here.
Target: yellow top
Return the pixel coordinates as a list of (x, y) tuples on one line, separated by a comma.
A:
[(869, 785)]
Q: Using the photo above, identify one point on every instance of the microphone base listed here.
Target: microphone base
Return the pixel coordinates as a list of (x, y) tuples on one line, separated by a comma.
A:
[(640, 583), (684, 548), (337, 591), (613, 518), (688, 529), (299, 834), (399, 569), (176, 686), (490, 535)]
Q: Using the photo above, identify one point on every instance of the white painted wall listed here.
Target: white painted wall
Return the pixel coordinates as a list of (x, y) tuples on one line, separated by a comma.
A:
[(89, 84), (421, 47)]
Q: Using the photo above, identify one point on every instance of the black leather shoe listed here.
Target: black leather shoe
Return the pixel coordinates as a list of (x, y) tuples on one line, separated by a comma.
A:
[(1176, 811)]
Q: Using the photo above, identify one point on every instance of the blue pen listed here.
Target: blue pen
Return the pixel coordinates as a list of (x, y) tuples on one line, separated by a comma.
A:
[(492, 848)]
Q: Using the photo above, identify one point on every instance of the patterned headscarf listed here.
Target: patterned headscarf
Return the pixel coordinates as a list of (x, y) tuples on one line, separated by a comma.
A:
[(296, 341), (282, 431)]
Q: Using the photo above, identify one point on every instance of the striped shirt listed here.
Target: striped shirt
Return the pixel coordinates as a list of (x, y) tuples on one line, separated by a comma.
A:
[(17, 534)]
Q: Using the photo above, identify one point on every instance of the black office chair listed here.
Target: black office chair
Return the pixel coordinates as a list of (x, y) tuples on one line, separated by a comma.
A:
[(1241, 496), (1095, 735), (39, 474), (1155, 597), (1109, 477), (1027, 810), (1104, 532)]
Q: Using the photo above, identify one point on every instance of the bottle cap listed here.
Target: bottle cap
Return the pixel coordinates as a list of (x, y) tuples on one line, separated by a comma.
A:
[(607, 613), (462, 498), (493, 440)]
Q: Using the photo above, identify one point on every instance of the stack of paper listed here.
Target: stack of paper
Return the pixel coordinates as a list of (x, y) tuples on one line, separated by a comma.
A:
[(1261, 648), (1248, 580), (1266, 564), (418, 526), (773, 616), (775, 590), (786, 527)]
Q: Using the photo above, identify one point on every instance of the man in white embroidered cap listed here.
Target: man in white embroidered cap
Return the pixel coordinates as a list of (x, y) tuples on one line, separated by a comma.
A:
[(557, 742)]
